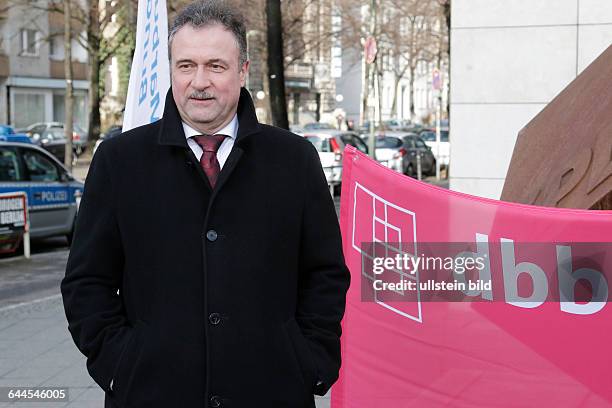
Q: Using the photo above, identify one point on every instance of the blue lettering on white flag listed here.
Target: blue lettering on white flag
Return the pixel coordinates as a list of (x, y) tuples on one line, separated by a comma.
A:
[(150, 66)]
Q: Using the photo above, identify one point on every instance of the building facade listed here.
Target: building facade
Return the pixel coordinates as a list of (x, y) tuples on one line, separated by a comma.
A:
[(394, 60), (32, 81), (508, 60)]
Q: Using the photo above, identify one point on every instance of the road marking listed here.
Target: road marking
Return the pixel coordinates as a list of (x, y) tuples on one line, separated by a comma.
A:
[(31, 302)]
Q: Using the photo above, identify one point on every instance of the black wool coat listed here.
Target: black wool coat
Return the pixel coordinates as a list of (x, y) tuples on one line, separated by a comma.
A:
[(187, 296)]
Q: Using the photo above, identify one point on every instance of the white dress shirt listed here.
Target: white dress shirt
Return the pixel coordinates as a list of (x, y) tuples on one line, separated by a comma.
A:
[(231, 130)]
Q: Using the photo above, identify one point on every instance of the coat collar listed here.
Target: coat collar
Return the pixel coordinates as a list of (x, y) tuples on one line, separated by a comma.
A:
[(171, 129)]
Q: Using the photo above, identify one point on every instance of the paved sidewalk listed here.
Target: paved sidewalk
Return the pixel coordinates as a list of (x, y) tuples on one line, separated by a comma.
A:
[(36, 349)]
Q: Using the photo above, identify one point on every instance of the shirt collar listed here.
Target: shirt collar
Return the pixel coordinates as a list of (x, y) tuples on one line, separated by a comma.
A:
[(231, 129)]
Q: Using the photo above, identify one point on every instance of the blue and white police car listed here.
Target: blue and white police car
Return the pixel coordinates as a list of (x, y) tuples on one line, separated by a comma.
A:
[(53, 193)]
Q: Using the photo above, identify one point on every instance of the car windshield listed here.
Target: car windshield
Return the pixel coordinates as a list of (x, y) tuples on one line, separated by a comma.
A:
[(317, 125), (53, 134), (321, 144), (431, 136), (386, 142)]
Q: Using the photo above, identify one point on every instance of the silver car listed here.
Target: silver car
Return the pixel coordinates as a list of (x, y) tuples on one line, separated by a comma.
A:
[(330, 144)]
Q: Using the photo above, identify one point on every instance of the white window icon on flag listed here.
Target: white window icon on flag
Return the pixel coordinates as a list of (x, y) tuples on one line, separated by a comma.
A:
[(384, 229)]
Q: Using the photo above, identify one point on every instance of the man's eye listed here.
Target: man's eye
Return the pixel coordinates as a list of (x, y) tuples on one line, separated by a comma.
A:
[(216, 67)]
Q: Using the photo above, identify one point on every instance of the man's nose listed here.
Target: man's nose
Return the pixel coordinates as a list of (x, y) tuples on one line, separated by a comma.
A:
[(201, 78)]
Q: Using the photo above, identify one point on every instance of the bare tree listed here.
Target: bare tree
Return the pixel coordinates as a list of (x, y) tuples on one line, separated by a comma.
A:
[(410, 35), (407, 32), (69, 99)]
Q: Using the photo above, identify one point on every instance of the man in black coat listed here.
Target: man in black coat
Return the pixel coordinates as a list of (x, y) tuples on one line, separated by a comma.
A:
[(207, 267)]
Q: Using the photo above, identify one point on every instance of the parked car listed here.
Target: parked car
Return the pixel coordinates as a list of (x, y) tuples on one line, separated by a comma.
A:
[(330, 144), (400, 151), (54, 141), (79, 136), (390, 151), (7, 134), (112, 131), (398, 124), (429, 136), (416, 147), (53, 193), (297, 130), (318, 126)]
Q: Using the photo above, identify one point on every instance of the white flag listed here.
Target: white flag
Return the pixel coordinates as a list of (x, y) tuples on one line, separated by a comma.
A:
[(150, 74)]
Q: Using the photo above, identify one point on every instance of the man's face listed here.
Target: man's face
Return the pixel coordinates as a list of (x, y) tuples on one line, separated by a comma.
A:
[(206, 76)]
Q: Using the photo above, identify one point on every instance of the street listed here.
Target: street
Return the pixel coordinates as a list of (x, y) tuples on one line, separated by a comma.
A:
[(35, 347)]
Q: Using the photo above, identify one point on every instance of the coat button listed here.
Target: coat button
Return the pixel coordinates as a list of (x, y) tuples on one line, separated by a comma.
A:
[(215, 401), (211, 235), (214, 318)]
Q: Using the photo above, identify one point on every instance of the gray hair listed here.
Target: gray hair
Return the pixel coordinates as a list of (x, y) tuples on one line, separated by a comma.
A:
[(208, 12)]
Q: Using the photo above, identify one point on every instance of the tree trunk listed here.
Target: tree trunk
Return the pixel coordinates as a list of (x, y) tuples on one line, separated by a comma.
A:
[(412, 111), (93, 38), (365, 92), (394, 104), (69, 99), (276, 71), (447, 18)]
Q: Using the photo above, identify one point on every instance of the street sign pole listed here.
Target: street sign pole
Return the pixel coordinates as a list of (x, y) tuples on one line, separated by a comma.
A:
[(370, 51), (437, 86)]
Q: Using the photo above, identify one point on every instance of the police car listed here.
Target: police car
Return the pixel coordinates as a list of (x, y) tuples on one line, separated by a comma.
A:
[(53, 193)]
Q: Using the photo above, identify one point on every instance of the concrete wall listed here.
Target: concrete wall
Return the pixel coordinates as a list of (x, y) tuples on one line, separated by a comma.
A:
[(508, 60)]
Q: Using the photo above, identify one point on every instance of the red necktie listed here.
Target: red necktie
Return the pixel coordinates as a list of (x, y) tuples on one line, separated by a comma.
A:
[(210, 144)]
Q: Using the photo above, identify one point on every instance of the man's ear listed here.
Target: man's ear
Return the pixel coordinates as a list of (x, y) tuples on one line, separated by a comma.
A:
[(244, 71)]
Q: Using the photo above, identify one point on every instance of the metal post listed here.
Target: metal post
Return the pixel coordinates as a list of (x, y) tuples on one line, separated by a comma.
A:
[(438, 102), (419, 169), (26, 241), (372, 80)]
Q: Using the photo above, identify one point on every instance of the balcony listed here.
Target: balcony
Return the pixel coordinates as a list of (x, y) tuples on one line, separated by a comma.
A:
[(4, 9), (79, 70), (56, 20)]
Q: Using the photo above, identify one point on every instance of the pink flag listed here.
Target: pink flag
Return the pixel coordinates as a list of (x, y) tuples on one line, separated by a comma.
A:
[(530, 340)]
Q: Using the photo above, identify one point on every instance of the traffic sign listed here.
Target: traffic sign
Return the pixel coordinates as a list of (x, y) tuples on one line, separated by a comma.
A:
[(370, 50)]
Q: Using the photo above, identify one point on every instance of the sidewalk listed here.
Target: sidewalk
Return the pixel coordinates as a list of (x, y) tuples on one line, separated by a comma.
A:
[(36, 349)]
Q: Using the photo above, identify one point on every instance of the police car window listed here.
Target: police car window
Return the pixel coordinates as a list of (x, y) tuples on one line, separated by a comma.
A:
[(40, 168), (9, 165)]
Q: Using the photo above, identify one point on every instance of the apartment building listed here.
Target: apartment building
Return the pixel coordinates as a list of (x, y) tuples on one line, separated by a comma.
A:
[(32, 81), (399, 84)]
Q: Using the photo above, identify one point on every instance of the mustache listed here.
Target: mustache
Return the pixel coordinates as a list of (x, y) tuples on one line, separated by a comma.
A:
[(201, 95)]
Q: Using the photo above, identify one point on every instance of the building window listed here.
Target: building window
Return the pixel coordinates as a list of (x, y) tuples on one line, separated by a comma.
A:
[(28, 109), (29, 43), (54, 49)]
